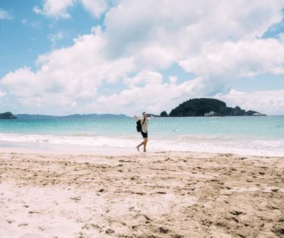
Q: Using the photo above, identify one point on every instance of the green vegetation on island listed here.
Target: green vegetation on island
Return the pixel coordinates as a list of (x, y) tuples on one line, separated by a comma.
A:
[(200, 107), (7, 115)]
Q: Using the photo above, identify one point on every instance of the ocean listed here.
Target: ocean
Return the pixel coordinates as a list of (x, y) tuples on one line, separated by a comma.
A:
[(241, 135)]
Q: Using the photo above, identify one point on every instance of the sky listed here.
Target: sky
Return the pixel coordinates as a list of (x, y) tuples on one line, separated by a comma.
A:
[(128, 56)]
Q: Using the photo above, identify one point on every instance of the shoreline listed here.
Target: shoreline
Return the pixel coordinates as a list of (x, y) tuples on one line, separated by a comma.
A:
[(26, 148), (158, 194), (46, 148)]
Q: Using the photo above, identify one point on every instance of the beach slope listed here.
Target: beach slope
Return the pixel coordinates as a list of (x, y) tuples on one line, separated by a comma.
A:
[(166, 194)]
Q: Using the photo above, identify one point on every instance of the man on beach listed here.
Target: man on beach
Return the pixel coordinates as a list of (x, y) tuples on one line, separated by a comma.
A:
[(144, 129)]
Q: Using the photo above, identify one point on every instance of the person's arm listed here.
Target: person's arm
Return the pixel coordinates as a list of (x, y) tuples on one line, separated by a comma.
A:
[(149, 118), (137, 118)]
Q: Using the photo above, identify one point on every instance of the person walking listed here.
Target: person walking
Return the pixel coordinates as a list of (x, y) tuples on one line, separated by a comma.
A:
[(142, 126)]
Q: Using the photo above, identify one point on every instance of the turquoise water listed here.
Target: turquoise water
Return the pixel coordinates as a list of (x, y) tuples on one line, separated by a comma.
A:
[(245, 135)]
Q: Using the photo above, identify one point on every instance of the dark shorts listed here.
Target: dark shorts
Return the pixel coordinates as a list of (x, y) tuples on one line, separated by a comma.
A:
[(145, 135)]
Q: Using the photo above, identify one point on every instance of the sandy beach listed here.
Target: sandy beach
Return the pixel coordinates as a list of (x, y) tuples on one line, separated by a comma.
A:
[(163, 194)]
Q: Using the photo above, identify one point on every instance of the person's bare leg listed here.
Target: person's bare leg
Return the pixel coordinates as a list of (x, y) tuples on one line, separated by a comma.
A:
[(138, 146), (145, 144)]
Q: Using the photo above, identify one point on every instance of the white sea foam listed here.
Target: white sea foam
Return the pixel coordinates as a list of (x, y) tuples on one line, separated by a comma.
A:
[(203, 137), (216, 144)]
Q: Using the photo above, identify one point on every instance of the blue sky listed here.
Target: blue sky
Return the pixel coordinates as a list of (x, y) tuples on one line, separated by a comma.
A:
[(21, 43), (122, 56)]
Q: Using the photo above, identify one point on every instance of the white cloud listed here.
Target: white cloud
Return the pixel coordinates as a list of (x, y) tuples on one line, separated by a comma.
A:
[(69, 73), (55, 38), (216, 40), (173, 79), (243, 58), (269, 102), (55, 8), (59, 9), (144, 77), (153, 98), (34, 24), (4, 15), (2, 93), (161, 32), (74, 104), (218, 64), (95, 7)]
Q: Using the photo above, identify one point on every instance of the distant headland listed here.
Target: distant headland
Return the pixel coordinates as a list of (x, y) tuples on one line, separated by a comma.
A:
[(73, 116), (207, 107), (7, 115), (198, 107)]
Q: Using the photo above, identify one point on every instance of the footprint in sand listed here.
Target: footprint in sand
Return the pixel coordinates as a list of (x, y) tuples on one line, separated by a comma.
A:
[(163, 230), (236, 213), (23, 224), (32, 235)]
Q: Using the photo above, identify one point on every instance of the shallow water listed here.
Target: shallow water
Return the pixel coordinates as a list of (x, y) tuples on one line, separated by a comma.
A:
[(244, 135)]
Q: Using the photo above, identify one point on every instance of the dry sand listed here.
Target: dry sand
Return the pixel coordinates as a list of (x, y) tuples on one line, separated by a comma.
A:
[(169, 194)]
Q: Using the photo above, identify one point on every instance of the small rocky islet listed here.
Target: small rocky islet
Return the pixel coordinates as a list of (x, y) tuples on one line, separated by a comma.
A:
[(7, 115)]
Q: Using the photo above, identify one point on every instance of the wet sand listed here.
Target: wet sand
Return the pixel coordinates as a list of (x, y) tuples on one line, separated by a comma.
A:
[(166, 194)]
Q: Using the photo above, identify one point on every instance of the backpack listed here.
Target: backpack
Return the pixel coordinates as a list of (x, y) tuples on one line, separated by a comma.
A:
[(139, 125)]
